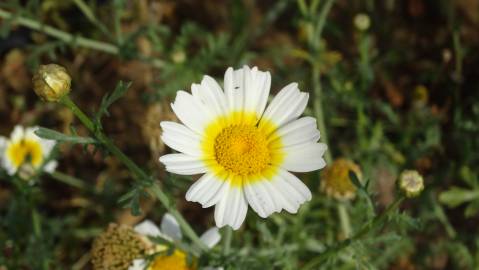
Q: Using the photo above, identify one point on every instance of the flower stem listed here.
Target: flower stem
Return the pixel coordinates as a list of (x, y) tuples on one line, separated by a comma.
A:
[(318, 110), (135, 169), (227, 241), (74, 40), (321, 22), (344, 219), (373, 224), (69, 180)]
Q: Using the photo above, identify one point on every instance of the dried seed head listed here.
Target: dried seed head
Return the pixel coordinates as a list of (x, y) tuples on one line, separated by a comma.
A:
[(335, 180), (411, 183), (117, 247), (51, 82)]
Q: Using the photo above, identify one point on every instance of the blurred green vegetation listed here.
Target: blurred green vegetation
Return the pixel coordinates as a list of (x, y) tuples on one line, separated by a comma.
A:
[(399, 94)]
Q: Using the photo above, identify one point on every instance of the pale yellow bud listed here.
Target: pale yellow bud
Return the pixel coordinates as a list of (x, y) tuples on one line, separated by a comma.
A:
[(362, 22), (411, 183), (51, 82)]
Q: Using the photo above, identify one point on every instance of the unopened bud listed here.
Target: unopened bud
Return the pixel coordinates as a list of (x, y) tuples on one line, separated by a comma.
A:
[(362, 22), (51, 82), (411, 183)]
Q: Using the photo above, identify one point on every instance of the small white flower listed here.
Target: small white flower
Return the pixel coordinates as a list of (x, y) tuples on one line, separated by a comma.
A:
[(170, 231), (24, 148), (244, 148)]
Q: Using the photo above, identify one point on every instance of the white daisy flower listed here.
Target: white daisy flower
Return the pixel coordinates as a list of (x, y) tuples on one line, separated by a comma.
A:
[(170, 231), (244, 148), (24, 148)]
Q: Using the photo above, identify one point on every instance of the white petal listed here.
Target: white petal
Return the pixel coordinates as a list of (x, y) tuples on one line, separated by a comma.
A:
[(302, 130), (18, 133), (148, 228), (298, 189), (288, 104), (257, 87), (231, 209), (304, 157), (181, 138), (50, 166), (211, 94), (191, 111), (207, 190), (211, 237), (183, 164), (275, 196), (6, 162), (235, 88), (138, 264), (259, 198), (3, 145), (289, 191), (47, 146), (170, 227), (29, 133)]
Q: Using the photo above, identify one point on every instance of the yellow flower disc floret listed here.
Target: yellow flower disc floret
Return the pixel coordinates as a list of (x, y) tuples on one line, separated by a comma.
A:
[(236, 147), (175, 261), (242, 150), (25, 151)]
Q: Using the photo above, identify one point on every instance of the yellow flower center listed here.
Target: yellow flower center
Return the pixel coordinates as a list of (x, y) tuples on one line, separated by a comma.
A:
[(242, 150), (25, 151), (175, 261), (240, 147)]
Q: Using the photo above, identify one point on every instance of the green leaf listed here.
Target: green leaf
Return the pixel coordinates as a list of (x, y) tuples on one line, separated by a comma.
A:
[(472, 209), (107, 100), (51, 134), (355, 180), (132, 198), (456, 196)]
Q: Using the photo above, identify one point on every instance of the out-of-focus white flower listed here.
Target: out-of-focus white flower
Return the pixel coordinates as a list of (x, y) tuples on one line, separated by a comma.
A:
[(245, 149), (170, 231), (25, 151)]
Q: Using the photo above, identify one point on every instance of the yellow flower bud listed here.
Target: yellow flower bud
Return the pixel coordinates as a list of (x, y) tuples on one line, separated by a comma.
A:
[(411, 183), (51, 82)]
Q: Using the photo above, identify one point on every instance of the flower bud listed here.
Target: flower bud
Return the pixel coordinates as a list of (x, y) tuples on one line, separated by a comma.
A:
[(411, 183), (362, 22), (51, 82)]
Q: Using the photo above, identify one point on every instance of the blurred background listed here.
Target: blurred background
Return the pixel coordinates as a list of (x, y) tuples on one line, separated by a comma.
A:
[(398, 85)]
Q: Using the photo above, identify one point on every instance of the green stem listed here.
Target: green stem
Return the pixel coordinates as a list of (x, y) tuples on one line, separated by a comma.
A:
[(318, 110), (135, 169), (344, 219), (185, 226), (74, 40), (37, 231), (69, 180), (85, 9), (227, 241), (321, 22), (374, 223)]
